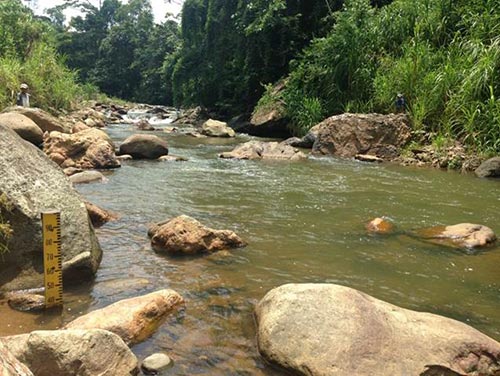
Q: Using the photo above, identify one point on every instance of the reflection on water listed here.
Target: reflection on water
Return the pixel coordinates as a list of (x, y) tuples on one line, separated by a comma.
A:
[(304, 222)]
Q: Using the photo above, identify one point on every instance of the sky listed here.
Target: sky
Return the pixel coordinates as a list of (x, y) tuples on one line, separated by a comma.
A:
[(160, 7)]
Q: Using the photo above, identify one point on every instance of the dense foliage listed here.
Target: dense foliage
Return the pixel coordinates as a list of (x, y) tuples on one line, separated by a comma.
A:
[(28, 54)]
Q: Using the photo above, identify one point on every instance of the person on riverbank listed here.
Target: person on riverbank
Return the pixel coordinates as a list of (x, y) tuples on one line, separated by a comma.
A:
[(400, 103), (23, 97)]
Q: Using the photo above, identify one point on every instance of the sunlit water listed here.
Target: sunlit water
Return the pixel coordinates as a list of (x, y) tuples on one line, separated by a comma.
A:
[(304, 222)]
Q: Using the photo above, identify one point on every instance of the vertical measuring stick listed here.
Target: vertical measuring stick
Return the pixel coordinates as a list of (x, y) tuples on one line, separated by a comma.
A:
[(52, 264)]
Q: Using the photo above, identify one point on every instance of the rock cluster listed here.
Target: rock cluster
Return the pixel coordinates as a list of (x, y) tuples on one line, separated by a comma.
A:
[(264, 150)]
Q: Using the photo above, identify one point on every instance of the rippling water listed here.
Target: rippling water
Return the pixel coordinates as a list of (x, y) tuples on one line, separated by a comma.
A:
[(304, 222)]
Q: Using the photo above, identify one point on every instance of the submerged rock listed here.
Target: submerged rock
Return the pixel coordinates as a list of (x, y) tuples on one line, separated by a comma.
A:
[(133, 319), (380, 226), (463, 235), (264, 150), (155, 363), (23, 126), (326, 329), (73, 352), (88, 149), (31, 183), (144, 146), (172, 158), (86, 177), (349, 134), (25, 302), (489, 168), (185, 235), (99, 216), (215, 128)]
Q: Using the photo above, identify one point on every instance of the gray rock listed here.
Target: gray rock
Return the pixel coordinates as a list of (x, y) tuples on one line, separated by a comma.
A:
[(32, 183), (215, 128), (23, 126), (25, 302), (144, 146), (73, 352), (156, 362), (326, 329), (264, 150), (86, 177), (349, 134), (489, 168)]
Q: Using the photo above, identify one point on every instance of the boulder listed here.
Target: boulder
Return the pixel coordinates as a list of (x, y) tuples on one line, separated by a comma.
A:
[(88, 149), (23, 126), (144, 146), (489, 168), (44, 120), (99, 216), (379, 226), (193, 116), (134, 319), (350, 134), (326, 329), (185, 235), (214, 128), (264, 150), (79, 126), (73, 352), (9, 365), (144, 125), (86, 177), (32, 183), (463, 235)]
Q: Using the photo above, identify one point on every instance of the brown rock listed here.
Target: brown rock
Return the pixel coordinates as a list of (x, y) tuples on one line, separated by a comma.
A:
[(44, 120), (144, 146), (380, 226), (25, 302), (326, 329), (194, 116), (350, 134), (133, 319), (185, 235), (88, 149), (368, 158), (99, 216), (215, 128), (79, 126), (73, 352), (264, 150), (23, 126), (463, 235), (9, 365), (144, 125)]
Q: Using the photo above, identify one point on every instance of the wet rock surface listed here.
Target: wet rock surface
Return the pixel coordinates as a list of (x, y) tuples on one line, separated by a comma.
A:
[(264, 150), (325, 329), (463, 235), (184, 235), (99, 216), (25, 302)]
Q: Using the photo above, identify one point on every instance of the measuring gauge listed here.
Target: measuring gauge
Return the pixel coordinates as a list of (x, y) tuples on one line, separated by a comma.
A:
[(52, 263)]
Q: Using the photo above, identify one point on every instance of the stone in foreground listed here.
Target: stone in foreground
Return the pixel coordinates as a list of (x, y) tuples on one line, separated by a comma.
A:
[(349, 134), (463, 235), (155, 363), (489, 168), (31, 183), (44, 120), (73, 352), (326, 329), (186, 236), (144, 146), (215, 128), (134, 319), (23, 126), (264, 150), (9, 365)]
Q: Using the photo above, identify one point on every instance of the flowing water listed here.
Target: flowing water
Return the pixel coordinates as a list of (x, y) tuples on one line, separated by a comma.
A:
[(304, 222)]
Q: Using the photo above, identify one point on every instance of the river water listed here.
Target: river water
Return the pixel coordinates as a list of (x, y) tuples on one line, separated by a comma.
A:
[(304, 222)]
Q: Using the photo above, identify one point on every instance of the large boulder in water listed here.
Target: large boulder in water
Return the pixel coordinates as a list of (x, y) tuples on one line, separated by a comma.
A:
[(326, 329), (350, 134), (134, 319), (73, 352), (23, 126), (44, 120), (184, 235), (462, 235), (88, 149), (31, 183), (489, 168), (215, 128), (264, 150), (144, 146)]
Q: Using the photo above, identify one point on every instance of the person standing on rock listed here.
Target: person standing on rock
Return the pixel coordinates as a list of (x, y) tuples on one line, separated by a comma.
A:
[(400, 103), (23, 98)]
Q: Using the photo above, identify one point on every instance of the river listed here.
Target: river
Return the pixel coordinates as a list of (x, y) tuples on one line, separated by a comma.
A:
[(304, 222)]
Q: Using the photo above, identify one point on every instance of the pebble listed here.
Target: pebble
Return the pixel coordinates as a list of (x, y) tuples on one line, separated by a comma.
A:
[(156, 362)]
